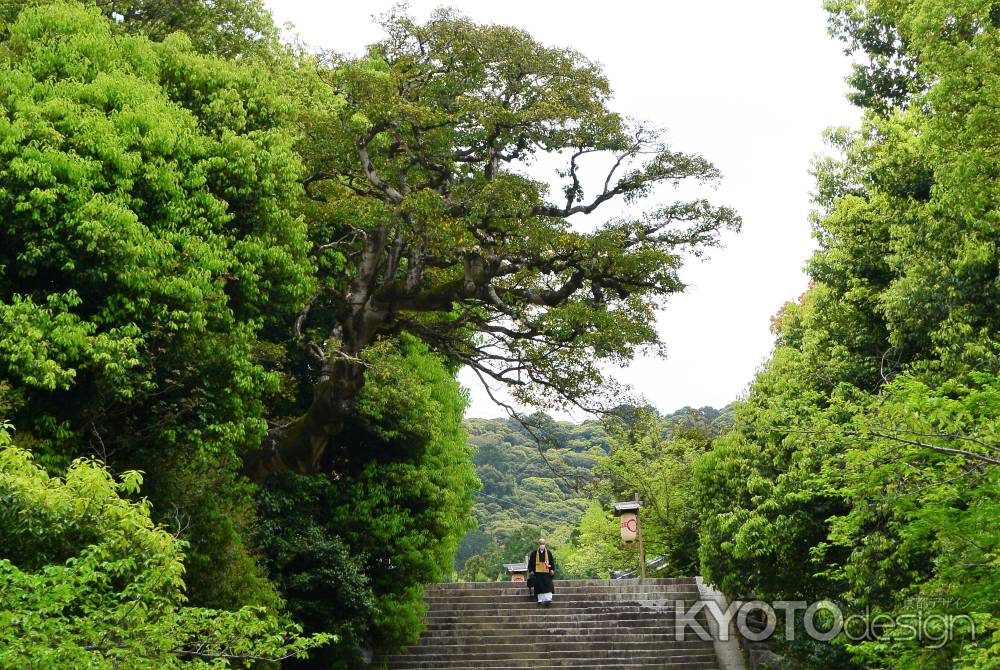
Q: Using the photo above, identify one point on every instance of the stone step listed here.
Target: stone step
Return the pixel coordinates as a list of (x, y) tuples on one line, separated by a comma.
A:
[(570, 596), (638, 626), (605, 641), (684, 599), (708, 659), (617, 583), (532, 605), (542, 665), (596, 649), (598, 645), (489, 587), (520, 588), (576, 635), (628, 624), (558, 627), (629, 585), (700, 662), (552, 617)]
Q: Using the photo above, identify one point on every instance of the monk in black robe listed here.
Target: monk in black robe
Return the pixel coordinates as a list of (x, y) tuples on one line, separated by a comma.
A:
[(541, 570)]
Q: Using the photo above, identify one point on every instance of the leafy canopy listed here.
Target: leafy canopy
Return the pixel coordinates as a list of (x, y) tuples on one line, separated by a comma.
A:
[(227, 28), (88, 581), (352, 551), (864, 466), (429, 223), (148, 237)]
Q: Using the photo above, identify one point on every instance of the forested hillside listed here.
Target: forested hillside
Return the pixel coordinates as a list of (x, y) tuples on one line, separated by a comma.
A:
[(540, 479), (530, 487)]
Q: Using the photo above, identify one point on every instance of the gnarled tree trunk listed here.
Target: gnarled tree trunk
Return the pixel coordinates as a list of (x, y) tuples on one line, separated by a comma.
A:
[(299, 446)]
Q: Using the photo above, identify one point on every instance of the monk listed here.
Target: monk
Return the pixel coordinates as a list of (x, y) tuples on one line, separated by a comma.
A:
[(542, 568)]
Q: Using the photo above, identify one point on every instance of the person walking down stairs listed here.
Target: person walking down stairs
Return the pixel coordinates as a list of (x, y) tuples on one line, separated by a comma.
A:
[(541, 570)]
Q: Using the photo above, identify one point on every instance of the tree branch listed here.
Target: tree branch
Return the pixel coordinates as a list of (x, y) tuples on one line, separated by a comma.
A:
[(971, 455)]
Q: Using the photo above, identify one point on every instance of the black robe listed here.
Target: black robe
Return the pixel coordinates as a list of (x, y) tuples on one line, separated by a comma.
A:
[(541, 581)]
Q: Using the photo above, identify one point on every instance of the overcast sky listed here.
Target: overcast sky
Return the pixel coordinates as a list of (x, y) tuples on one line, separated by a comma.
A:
[(749, 85)]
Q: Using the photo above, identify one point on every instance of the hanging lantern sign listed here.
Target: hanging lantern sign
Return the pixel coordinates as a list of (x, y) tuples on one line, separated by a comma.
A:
[(628, 517)]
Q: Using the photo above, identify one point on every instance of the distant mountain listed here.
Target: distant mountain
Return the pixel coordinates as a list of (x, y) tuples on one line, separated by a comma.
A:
[(532, 486)]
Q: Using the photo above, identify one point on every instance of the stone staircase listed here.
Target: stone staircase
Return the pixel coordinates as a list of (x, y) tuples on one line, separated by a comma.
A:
[(626, 624)]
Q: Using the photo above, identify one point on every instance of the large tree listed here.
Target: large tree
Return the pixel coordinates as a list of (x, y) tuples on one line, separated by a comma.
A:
[(352, 552), (425, 219), (148, 235), (228, 28), (863, 467)]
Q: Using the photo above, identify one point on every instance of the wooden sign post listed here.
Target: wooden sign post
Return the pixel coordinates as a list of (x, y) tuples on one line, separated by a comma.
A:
[(631, 527), (518, 571)]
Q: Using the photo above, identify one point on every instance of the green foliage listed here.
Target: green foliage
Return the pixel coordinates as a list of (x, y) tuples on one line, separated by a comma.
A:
[(417, 159), (227, 28), (351, 551), (651, 455), (889, 77), (147, 236), (557, 479), (88, 581), (164, 306), (923, 514), (647, 460), (597, 548), (534, 479), (863, 467), (325, 585), (508, 545)]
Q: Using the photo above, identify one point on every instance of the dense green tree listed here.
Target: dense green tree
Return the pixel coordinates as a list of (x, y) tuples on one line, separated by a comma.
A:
[(352, 550), (887, 75), (147, 238), (645, 460), (534, 483), (654, 456), (922, 481), (427, 223), (227, 28), (863, 464), (164, 306), (511, 546), (88, 581)]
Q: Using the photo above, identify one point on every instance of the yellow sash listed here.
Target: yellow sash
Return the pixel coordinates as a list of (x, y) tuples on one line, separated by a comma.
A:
[(541, 565)]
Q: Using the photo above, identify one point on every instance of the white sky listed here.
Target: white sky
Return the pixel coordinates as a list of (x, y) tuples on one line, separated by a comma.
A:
[(748, 85)]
